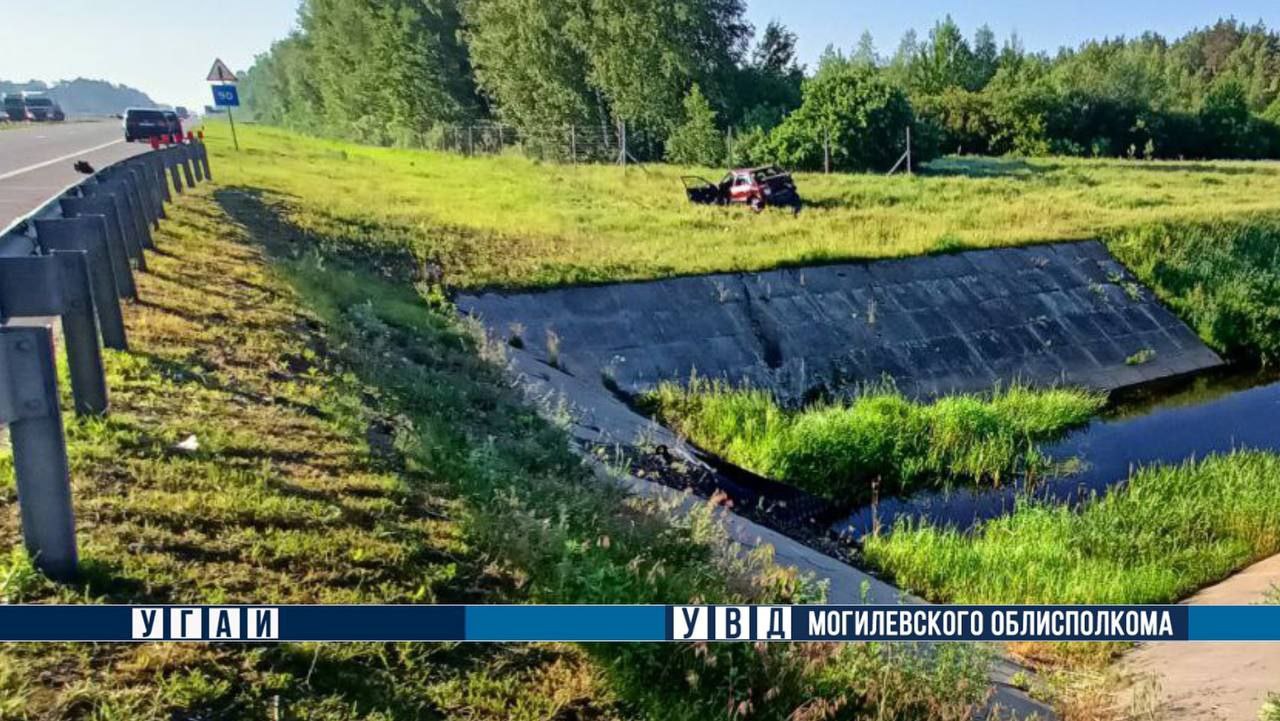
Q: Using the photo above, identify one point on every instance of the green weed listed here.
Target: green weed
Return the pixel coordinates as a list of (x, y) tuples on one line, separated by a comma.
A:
[(1165, 533), (841, 450), (1222, 276)]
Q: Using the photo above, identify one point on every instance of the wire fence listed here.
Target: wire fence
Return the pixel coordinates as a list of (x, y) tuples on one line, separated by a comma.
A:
[(606, 143), (569, 144)]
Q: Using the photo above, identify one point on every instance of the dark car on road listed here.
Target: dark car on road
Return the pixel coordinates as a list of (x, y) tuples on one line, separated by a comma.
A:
[(148, 123), (767, 185), (175, 123), (15, 107)]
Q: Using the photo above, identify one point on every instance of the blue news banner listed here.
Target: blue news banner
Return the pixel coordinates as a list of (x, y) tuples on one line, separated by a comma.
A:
[(259, 624)]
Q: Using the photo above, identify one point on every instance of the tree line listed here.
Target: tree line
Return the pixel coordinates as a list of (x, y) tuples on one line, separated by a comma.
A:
[(83, 96), (681, 73)]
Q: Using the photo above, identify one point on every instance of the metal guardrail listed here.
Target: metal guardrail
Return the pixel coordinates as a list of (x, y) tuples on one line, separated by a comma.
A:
[(73, 259)]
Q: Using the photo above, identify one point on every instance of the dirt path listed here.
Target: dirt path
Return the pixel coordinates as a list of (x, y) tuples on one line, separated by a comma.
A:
[(1212, 681)]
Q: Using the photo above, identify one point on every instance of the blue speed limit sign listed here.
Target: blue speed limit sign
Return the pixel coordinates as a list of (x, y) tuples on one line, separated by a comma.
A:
[(226, 96)]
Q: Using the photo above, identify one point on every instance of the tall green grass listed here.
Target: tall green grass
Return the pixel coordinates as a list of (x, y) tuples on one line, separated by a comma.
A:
[(1203, 234), (1222, 277), (841, 450), (510, 221), (1168, 532)]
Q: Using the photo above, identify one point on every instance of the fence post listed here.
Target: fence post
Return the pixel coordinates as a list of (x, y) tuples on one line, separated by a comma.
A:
[(622, 143), (908, 150), (471, 140), (573, 144), (105, 207), (89, 235), (728, 143), (826, 150), (29, 404)]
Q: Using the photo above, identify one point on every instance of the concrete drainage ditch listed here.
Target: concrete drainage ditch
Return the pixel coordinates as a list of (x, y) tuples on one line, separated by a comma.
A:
[(1055, 314), (1062, 313)]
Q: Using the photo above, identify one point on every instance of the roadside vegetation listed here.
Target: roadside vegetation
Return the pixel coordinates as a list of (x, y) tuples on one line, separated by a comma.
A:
[(1222, 277), (879, 442), (677, 72), (512, 222), (353, 443), (1168, 531)]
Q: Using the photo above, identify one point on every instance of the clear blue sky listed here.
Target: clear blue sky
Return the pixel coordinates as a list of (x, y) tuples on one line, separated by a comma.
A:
[(166, 48)]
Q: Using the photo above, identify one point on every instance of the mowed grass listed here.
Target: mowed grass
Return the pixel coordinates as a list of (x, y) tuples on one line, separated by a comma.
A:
[(879, 441), (356, 444), (510, 221), (1169, 531)]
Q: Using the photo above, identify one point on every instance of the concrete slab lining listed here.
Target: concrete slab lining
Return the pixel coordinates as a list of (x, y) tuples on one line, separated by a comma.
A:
[(1062, 313)]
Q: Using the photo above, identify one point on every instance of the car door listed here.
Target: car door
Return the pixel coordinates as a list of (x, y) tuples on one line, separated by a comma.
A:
[(742, 189)]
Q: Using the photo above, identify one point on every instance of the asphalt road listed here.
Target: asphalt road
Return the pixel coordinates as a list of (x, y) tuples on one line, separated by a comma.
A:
[(36, 161)]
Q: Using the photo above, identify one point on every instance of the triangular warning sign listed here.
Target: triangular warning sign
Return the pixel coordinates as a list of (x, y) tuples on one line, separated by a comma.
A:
[(220, 73)]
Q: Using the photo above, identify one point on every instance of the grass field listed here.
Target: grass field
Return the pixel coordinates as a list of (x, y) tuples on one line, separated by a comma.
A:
[(1168, 532), (357, 445), (509, 221), (880, 442)]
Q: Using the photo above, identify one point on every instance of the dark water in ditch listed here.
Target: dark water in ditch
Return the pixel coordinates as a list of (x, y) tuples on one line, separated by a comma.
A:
[(1211, 414)]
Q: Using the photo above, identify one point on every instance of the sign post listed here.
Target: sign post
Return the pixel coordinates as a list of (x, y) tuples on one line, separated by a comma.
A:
[(225, 94)]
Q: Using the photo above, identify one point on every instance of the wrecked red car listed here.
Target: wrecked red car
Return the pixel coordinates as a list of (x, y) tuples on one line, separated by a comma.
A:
[(761, 187)]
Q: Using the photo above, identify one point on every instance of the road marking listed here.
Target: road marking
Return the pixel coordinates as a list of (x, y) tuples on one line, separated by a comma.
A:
[(47, 163)]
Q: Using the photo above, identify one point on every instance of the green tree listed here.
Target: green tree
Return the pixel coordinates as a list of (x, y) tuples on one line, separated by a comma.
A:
[(644, 54), (944, 61), (986, 57), (776, 51), (769, 87), (1225, 118), (865, 53), (854, 111), (531, 68), (696, 141)]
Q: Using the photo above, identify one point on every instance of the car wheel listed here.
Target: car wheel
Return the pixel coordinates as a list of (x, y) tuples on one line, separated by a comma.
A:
[(756, 203)]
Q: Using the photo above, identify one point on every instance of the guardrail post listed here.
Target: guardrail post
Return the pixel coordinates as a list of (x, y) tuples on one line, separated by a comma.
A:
[(29, 404), (105, 207), (171, 162), (125, 221), (193, 153), (132, 219), (58, 284), (155, 161), (80, 331), (184, 157), (155, 177), (138, 195), (151, 202), (203, 152), (89, 235)]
